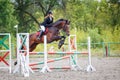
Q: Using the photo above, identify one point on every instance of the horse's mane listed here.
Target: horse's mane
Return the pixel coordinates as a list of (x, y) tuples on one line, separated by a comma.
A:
[(56, 22), (60, 19)]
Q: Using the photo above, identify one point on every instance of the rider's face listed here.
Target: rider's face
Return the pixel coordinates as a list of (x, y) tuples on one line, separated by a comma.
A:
[(50, 15)]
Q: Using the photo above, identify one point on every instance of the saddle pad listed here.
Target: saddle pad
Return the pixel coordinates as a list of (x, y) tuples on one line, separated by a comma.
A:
[(38, 32)]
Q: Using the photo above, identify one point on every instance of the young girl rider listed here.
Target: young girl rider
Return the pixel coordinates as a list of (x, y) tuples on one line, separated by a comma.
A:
[(48, 20)]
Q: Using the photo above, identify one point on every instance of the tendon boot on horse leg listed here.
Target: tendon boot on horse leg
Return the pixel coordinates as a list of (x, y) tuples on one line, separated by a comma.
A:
[(40, 35), (61, 42)]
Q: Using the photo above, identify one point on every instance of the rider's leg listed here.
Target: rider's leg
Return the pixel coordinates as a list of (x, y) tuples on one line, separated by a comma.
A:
[(41, 31), (40, 35)]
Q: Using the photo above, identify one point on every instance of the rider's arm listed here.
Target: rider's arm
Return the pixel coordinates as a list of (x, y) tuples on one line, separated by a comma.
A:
[(46, 16)]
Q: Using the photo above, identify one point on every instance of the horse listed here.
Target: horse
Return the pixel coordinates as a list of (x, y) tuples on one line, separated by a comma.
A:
[(53, 34)]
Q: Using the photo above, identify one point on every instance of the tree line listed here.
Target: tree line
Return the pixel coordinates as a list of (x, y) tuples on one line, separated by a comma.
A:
[(85, 15)]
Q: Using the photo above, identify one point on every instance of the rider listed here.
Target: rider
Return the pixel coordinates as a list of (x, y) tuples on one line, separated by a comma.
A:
[(48, 20)]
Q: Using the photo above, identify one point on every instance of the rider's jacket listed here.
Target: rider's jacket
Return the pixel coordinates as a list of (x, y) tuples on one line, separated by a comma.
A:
[(47, 21)]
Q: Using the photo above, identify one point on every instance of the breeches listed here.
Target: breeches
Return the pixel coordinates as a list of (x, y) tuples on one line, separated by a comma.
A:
[(42, 27)]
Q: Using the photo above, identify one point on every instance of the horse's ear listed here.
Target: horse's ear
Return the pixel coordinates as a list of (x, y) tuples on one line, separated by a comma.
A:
[(67, 21)]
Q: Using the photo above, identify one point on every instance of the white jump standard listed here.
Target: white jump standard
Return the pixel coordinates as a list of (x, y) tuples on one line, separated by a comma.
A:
[(45, 68), (90, 67), (5, 44), (73, 48), (23, 54)]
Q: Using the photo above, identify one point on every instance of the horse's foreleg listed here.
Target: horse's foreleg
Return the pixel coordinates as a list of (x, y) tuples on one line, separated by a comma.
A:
[(56, 38), (61, 42)]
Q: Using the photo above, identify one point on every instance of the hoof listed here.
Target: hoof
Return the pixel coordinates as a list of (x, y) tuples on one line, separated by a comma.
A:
[(15, 63), (60, 44)]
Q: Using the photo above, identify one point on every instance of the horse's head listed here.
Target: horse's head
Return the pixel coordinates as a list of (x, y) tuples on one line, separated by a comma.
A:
[(66, 27), (63, 24)]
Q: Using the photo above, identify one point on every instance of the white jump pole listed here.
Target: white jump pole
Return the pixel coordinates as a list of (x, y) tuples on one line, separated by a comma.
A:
[(90, 68), (10, 57), (73, 58), (45, 68)]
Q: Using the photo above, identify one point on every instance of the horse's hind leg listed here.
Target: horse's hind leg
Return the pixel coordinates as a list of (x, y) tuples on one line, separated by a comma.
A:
[(33, 46), (15, 63)]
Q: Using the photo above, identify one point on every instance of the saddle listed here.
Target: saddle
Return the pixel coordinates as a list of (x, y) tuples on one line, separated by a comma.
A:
[(46, 31)]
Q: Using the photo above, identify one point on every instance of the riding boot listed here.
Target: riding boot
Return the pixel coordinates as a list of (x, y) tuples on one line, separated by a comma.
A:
[(40, 35)]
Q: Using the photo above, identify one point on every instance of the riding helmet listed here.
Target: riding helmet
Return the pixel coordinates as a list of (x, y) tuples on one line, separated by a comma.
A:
[(50, 12)]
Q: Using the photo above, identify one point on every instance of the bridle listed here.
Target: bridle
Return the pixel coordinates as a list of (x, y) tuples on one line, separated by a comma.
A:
[(64, 27)]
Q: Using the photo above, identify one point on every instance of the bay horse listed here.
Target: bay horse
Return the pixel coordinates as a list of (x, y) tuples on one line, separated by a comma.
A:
[(53, 34)]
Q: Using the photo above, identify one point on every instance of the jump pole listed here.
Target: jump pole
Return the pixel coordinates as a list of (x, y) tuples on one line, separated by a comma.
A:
[(45, 68), (90, 68), (63, 67), (49, 61)]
